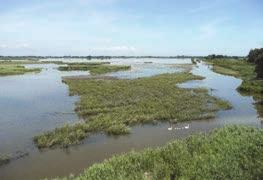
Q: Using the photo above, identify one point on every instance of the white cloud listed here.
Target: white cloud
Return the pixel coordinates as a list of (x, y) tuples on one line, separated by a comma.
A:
[(15, 46)]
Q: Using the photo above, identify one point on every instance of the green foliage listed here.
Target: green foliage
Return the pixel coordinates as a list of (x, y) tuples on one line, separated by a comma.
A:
[(259, 66), (240, 69), (94, 68), (219, 56), (254, 86), (256, 56), (14, 69), (226, 71), (112, 106), (253, 54), (232, 152)]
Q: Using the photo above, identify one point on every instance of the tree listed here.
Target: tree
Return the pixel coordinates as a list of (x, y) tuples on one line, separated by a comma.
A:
[(214, 56), (256, 56), (253, 54), (259, 66)]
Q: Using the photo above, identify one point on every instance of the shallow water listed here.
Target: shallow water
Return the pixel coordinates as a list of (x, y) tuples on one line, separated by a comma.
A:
[(51, 96), (222, 86), (145, 70), (31, 104)]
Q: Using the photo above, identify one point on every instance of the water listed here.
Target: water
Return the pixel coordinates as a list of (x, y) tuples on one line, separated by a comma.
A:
[(44, 104), (31, 104), (146, 70), (222, 86)]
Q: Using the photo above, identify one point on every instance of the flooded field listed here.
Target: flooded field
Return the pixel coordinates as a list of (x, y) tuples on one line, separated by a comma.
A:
[(34, 103)]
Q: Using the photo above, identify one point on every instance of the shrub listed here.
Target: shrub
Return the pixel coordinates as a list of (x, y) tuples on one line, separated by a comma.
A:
[(256, 56), (259, 66)]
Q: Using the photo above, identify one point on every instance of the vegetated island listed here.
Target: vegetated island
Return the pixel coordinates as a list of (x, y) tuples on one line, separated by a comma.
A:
[(13, 68), (95, 68), (112, 106), (17, 67)]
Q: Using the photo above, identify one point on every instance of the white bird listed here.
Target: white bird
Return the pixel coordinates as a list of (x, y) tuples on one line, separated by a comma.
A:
[(170, 128), (187, 127)]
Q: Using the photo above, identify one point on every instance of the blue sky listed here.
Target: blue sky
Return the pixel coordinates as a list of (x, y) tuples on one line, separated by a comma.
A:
[(130, 27)]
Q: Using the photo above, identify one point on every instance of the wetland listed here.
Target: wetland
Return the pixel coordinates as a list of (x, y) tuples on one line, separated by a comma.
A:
[(69, 113)]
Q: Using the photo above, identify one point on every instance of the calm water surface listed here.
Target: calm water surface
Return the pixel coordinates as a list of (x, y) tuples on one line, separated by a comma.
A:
[(31, 104)]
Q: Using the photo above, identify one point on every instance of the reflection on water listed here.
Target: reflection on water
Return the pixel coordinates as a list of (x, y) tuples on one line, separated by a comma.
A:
[(31, 104), (243, 111), (145, 70), (128, 61), (58, 162)]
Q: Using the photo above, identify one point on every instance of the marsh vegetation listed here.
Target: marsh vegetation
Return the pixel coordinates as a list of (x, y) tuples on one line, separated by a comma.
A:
[(112, 106), (94, 68), (240, 69), (14, 69), (232, 152), (17, 67)]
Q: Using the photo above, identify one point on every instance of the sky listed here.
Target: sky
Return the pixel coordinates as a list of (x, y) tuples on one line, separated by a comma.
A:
[(130, 27)]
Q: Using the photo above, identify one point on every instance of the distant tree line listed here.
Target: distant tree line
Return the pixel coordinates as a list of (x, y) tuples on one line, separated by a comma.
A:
[(21, 57), (91, 57), (255, 56), (219, 56)]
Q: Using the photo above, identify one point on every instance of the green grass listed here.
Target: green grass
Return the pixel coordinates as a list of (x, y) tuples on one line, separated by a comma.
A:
[(225, 71), (13, 69), (93, 68), (240, 69), (232, 152), (112, 106), (18, 62)]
